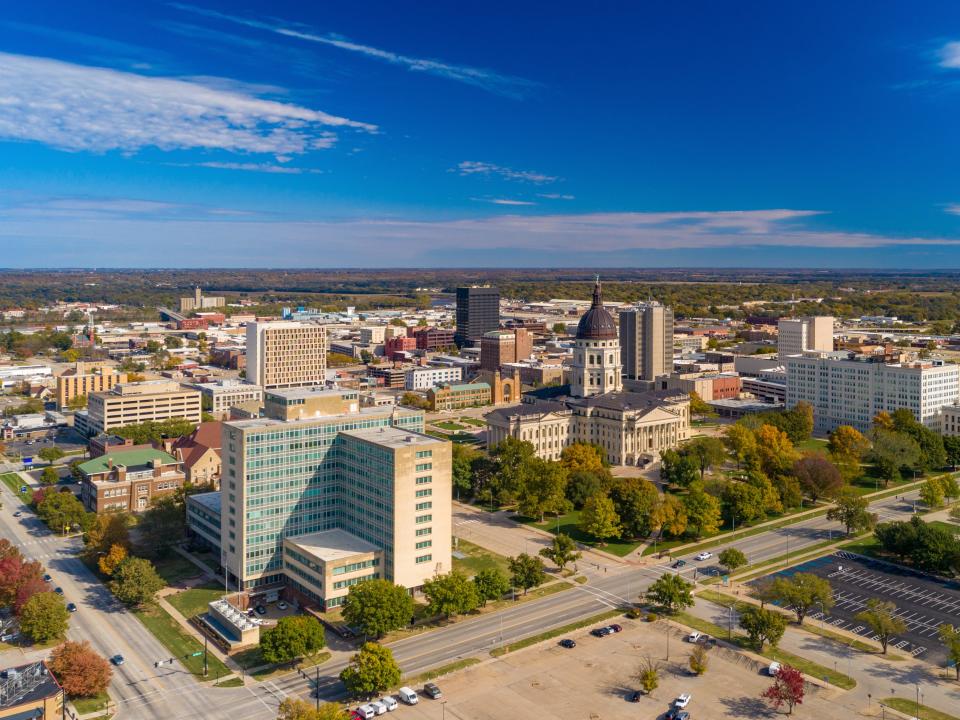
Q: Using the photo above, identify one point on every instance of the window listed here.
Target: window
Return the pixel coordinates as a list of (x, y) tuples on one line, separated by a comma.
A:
[(424, 466), (423, 519), (424, 544), (424, 505), (424, 558), (427, 492), (424, 531), (424, 453), (424, 480)]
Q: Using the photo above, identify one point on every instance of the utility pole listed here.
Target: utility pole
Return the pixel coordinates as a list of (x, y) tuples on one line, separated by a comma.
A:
[(204, 654), (316, 687)]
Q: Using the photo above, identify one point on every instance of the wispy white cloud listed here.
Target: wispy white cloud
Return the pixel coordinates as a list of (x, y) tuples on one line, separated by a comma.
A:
[(556, 196), (261, 167), (474, 167), (953, 208), (76, 107), (503, 201), (489, 80), (949, 55)]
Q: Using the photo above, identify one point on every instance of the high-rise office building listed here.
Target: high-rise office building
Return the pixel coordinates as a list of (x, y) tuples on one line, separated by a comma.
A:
[(322, 494), (797, 335), (286, 354), (500, 347), (134, 403), (646, 341), (478, 312)]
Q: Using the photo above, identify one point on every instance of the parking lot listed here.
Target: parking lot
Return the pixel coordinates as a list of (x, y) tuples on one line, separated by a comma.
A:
[(923, 602)]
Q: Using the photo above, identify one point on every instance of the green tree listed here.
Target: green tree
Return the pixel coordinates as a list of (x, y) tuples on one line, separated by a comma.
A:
[(852, 510), (514, 462), (375, 607), (77, 402), (49, 476), (635, 501), (526, 571), (544, 490), (699, 407), (950, 637), (702, 510), (451, 594), (562, 551), (136, 582), (951, 489), (893, 453), (931, 493), (63, 510), (583, 485), (775, 450), (732, 559), (296, 709), (371, 671), (847, 448), (706, 451), (670, 516), (599, 518), (881, 617), (818, 477), (106, 531), (648, 675), (162, 525), (294, 636), (462, 464), (763, 626), (491, 585), (699, 661), (44, 617), (671, 592), (741, 443), (678, 469), (803, 591), (741, 503), (50, 454), (951, 447)]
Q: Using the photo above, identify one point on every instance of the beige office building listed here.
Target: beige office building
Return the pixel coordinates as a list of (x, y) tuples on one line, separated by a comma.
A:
[(322, 494), (133, 403), (84, 379), (286, 354), (646, 341), (798, 335)]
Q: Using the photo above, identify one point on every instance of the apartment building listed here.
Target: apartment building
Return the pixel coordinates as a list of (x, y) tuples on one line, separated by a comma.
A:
[(432, 339), (646, 341), (849, 389), (84, 379), (133, 403), (127, 481), (427, 377), (218, 397), (795, 336), (319, 463), (286, 354)]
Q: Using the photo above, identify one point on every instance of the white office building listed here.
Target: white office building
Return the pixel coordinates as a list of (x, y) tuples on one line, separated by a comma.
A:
[(428, 377), (849, 389), (795, 336)]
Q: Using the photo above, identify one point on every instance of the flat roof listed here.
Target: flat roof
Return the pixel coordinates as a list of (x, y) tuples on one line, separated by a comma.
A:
[(254, 423), (308, 391), (332, 545), (210, 500), (126, 458), (392, 437)]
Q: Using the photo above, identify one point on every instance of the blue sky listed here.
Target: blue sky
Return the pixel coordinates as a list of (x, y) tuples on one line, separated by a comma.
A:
[(254, 134)]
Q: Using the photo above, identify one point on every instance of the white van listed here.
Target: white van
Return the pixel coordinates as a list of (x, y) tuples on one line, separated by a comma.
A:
[(366, 712), (408, 695)]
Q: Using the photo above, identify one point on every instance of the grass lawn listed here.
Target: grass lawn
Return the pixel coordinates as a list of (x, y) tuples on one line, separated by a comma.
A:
[(249, 658), (472, 421), (449, 425), (87, 705), (955, 529), (195, 600), (231, 683), (478, 559), (862, 546), (910, 708), (175, 568), (176, 640), (814, 445), (306, 662), (15, 482), (569, 524)]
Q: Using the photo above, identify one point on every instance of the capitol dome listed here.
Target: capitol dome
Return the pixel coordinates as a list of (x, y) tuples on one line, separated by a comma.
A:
[(597, 323)]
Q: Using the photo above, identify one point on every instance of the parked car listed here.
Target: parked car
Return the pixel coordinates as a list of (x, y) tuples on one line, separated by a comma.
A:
[(704, 555), (682, 701), (47, 578), (408, 695), (251, 613), (366, 712), (281, 605), (694, 636), (261, 610), (599, 632), (378, 707), (71, 607), (58, 591), (432, 691), (636, 696), (568, 643), (676, 713), (117, 660), (389, 703), (679, 564), (17, 514), (773, 669), (615, 628)]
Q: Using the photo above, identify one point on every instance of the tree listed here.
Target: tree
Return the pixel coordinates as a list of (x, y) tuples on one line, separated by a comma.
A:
[(491, 585), (763, 590), (544, 491), (677, 469), (931, 493), (451, 594), (462, 463), (135, 581), (670, 516), (375, 607), (950, 637), (788, 489), (635, 501), (49, 476), (804, 591), (892, 453), (732, 558), (648, 675), (29, 586), (372, 670), (107, 530), (584, 457), (295, 709), (50, 454), (562, 551), (294, 636), (514, 462), (847, 447), (162, 525), (741, 443), (671, 592), (951, 447), (699, 660), (699, 407), (44, 617), (851, 509), (15, 573), (763, 626), (599, 518), (775, 450), (787, 689), (817, 476), (706, 451), (881, 617), (581, 486), (702, 510), (79, 669), (63, 510), (526, 571), (114, 558), (740, 502)]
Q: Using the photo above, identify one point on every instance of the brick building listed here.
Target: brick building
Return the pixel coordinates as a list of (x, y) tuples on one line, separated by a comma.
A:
[(128, 480)]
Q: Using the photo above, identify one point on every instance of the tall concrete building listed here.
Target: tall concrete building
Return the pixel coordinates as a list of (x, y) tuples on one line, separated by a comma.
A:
[(499, 347), (134, 403), (322, 494), (84, 379), (199, 301), (286, 354), (849, 389), (646, 341), (798, 335), (478, 312)]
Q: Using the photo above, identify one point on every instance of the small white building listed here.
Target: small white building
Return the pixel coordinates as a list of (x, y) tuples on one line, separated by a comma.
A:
[(429, 377)]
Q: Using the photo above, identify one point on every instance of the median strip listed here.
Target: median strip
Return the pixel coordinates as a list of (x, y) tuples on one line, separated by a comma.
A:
[(556, 632)]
